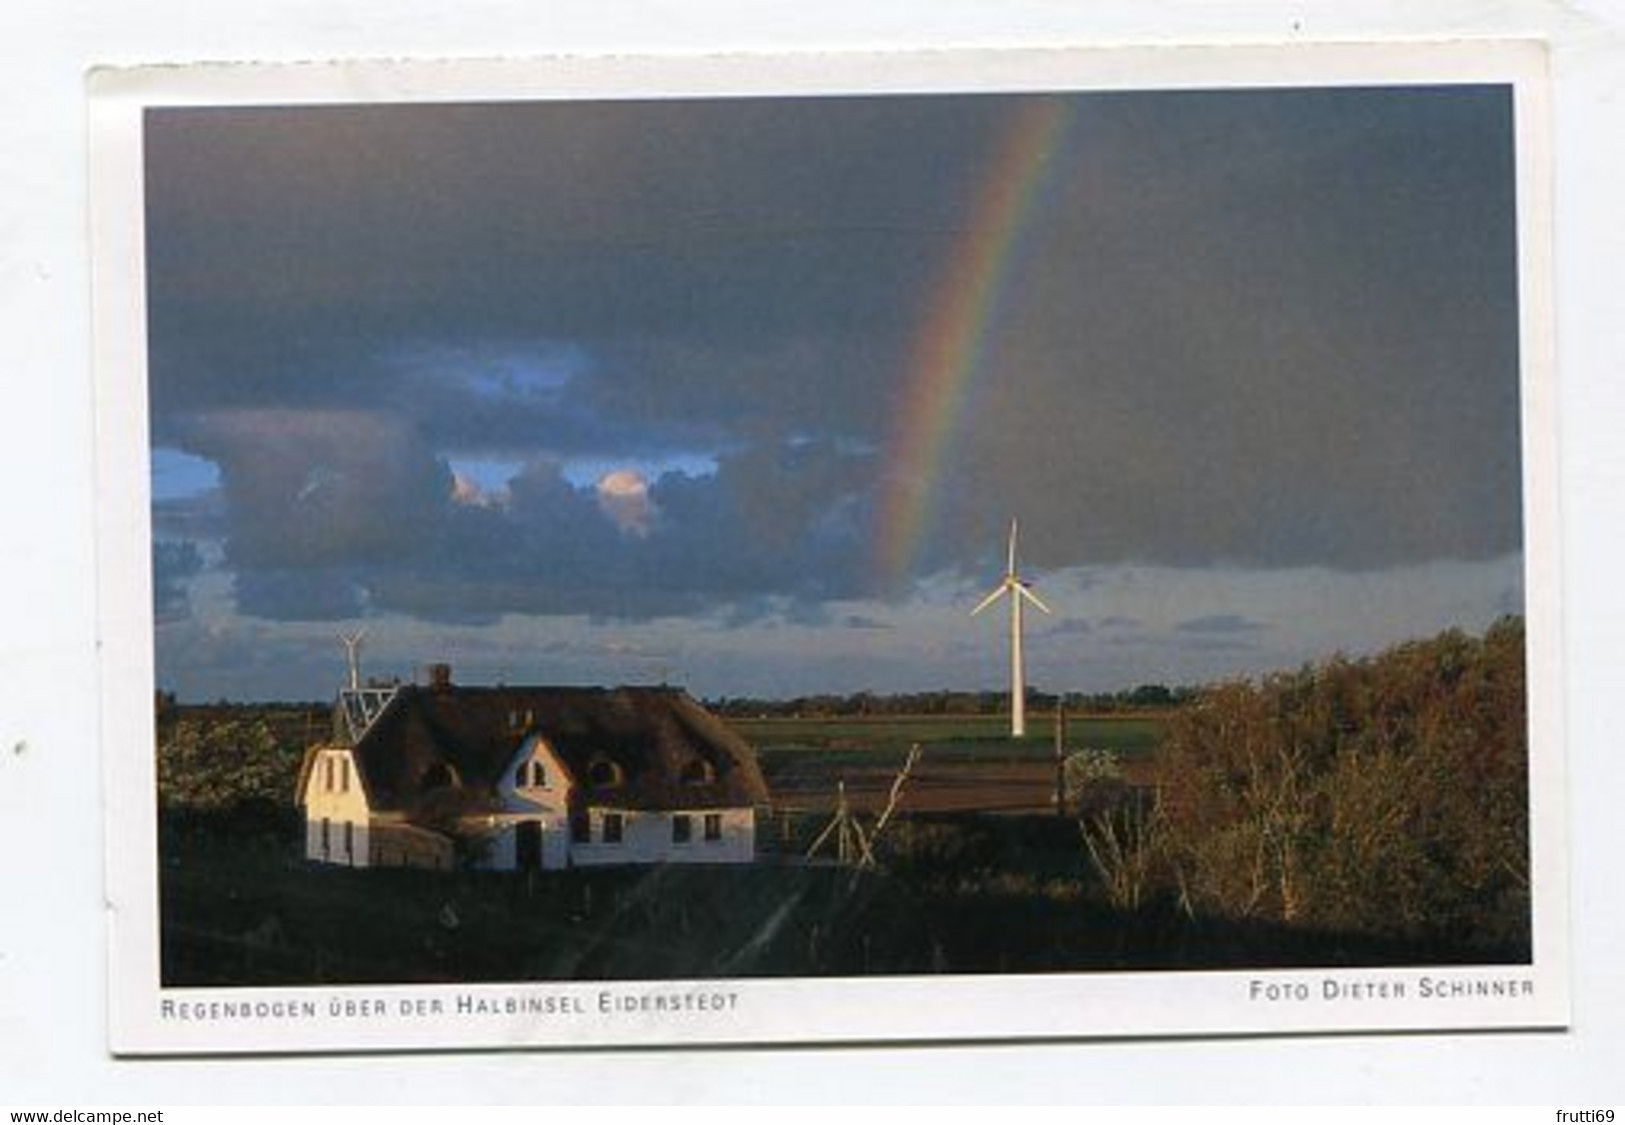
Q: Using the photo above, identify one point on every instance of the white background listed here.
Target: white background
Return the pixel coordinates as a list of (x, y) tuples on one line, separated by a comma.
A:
[(52, 941)]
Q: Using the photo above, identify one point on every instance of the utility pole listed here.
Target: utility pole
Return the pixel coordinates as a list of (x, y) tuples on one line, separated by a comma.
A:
[(1060, 756)]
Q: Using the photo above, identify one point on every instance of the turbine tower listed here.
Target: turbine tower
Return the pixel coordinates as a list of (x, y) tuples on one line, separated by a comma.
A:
[(1017, 589)]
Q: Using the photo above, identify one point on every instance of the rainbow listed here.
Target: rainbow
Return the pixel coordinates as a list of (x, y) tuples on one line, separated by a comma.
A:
[(950, 346)]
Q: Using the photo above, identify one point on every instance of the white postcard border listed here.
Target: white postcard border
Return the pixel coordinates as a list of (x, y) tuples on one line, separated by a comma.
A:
[(147, 1019)]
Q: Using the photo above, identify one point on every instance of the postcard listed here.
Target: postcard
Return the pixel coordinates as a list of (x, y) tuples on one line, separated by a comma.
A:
[(828, 548)]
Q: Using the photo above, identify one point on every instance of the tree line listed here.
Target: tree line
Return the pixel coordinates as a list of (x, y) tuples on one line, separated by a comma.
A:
[(1145, 697)]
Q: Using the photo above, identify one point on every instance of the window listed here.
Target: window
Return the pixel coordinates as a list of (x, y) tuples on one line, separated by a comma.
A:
[(327, 766), (349, 840), (344, 775), (604, 772), (713, 826), (538, 775), (327, 838), (682, 829), (699, 772), (613, 826)]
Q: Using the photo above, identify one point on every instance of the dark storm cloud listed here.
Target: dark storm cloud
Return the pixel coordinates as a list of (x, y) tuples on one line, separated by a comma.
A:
[(1222, 644), (694, 249), (309, 593), (319, 487), (1220, 624), (330, 514), (864, 622), (1117, 621), (202, 516), (1266, 328), (174, 563)]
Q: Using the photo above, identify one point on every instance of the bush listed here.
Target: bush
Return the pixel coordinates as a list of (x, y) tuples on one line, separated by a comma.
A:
[(1092, 780), (1386, 796), (221, 764)]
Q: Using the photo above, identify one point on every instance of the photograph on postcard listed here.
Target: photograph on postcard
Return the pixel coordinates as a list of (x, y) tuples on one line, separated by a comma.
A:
[(944, 535)]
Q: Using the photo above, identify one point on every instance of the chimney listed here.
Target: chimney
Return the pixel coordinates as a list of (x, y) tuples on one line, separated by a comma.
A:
[(440, 676)]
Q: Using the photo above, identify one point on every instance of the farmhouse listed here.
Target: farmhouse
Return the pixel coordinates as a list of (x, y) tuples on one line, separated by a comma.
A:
[(527, 777)]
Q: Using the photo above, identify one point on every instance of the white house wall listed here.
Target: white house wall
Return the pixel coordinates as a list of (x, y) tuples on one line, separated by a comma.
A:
[(646, 837), (338, 806), (499, 851), (556, 845), (502, 850), (553, 797), (346, 850)]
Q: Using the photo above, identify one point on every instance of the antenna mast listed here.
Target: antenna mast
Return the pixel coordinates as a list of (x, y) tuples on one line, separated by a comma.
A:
[(352, 651)]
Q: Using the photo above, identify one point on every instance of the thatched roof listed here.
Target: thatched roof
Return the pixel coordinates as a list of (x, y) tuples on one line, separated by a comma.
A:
[(441, 745)]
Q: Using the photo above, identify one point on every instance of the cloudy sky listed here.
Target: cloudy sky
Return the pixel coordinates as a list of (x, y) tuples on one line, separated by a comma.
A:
[(744, 393)]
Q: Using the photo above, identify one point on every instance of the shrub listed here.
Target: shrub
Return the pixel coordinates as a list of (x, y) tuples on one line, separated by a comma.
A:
[(1088, 772), (1386, 796), (217, 765)]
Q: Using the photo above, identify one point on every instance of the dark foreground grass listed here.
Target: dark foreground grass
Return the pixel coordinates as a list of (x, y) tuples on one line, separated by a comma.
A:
[(957, 895)]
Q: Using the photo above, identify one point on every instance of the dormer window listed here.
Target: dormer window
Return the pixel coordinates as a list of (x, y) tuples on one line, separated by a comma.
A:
[(699, 772), (604, 773), (532, 775)]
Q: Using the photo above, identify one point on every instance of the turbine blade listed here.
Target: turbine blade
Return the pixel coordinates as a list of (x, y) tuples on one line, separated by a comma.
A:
[(998, 592), (1010, 570), (1034, 598)]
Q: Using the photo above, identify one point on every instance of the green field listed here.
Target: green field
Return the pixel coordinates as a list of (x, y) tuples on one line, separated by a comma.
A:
[(881, 741)]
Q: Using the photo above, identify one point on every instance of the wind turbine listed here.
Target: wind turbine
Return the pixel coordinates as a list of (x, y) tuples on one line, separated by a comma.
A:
[(1017, 589)]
